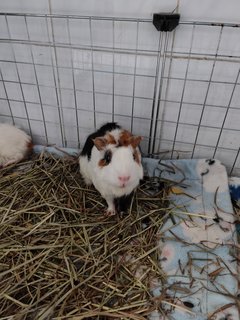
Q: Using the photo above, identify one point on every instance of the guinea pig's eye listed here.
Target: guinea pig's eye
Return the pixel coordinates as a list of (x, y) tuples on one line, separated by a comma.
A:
[(108, 156)]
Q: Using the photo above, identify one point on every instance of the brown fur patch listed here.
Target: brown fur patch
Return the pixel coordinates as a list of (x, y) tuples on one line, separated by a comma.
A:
[(135, 140), (106, 160), (136, 156), (100, 143), (110, 139), (29, 149), (30, 145), (126, 139), (102, 163)]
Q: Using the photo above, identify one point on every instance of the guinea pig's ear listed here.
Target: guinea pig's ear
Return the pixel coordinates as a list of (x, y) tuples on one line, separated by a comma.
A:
[(135, 140), (100, 143)]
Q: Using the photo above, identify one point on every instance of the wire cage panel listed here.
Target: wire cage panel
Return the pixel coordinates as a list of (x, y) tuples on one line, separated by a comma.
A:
[(62, 76)]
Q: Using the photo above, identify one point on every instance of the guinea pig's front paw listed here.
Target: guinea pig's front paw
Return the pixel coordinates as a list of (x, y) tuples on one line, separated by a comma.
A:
[(110, 212)]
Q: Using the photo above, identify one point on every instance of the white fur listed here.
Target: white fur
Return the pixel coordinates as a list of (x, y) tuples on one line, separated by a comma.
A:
[(13, 144), (105, 179)]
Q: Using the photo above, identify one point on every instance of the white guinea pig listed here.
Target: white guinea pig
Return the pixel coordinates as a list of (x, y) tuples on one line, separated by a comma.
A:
[(15, 144), (111, 161)]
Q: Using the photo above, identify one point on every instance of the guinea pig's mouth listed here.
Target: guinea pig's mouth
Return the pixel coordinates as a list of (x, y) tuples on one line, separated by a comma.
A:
[(124, 185), (121, 185)]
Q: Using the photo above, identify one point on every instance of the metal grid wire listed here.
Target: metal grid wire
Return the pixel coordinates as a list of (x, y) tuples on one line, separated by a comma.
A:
[(62, 76)]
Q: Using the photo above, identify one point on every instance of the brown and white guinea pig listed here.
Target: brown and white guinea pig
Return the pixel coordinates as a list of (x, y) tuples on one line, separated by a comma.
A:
[(15, 145), (111, 161)]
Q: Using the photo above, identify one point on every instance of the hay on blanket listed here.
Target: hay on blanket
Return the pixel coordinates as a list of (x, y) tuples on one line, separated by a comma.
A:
[(60, 258)]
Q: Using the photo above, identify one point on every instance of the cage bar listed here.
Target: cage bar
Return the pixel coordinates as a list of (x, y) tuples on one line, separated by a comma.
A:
[(164, 116)]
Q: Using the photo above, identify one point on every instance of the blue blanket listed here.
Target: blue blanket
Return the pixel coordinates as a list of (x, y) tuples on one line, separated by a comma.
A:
[(197, 246)]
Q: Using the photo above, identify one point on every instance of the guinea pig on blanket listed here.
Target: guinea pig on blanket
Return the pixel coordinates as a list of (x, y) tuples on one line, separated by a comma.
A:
[(111, 161), (15, 144)]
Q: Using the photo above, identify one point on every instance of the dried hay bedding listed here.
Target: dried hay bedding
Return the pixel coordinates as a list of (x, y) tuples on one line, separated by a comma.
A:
[(60, 258)]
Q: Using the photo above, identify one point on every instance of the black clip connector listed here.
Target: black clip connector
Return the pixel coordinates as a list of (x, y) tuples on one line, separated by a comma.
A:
[(166, 21)]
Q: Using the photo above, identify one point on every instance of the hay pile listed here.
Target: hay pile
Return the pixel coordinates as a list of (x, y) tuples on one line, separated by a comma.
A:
[(60, 258)]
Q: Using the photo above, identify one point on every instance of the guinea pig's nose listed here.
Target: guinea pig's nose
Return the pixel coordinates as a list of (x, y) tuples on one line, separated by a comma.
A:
[(124, 178)]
